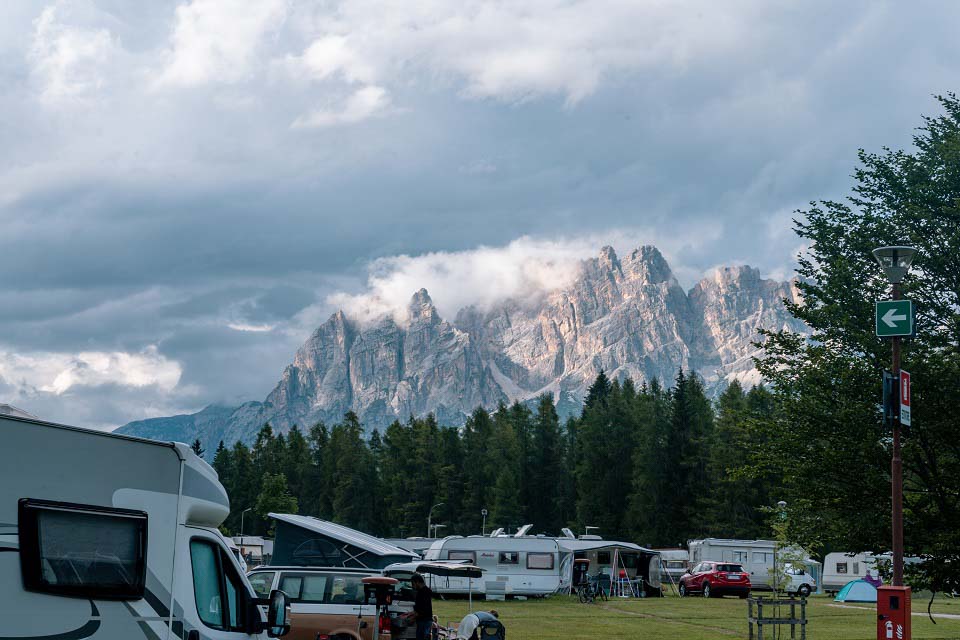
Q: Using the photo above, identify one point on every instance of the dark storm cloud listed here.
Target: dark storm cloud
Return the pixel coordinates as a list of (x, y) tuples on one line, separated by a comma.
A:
[(175, 178)]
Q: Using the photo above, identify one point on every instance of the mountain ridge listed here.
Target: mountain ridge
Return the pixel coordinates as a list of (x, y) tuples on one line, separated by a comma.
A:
[(628, 316)]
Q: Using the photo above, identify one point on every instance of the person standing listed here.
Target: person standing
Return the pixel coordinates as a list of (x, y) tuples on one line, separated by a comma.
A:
[(422, 607)]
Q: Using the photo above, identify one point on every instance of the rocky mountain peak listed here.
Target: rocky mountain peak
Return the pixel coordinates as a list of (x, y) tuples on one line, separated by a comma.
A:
[(421, 308), (626, 315), (648, 265)]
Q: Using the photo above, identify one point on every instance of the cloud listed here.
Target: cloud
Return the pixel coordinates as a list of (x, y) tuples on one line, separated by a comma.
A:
[(68, 61), (254, 328), (58, 373), (523, 269), (362, 104), (218, 40)]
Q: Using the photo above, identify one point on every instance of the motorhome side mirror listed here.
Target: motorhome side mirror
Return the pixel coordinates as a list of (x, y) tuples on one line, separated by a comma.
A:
[(278, 614)]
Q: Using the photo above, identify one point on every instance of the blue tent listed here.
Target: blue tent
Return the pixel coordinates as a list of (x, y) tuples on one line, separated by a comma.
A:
[(857, 591)]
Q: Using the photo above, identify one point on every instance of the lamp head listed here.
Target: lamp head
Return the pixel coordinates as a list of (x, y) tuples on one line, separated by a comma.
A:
[(895, 261), (782, 504)]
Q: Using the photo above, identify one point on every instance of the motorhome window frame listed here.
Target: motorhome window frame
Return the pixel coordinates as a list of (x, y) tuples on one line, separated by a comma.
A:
[(222, 555), (553, 561), (28, 515), (472, 559)]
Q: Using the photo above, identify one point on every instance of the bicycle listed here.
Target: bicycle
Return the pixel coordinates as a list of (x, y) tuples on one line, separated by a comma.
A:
[(588, 592)]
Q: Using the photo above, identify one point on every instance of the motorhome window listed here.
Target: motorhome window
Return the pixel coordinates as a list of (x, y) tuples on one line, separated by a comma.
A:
[(462, 555), (509, 557), (81, 550), (206, 583), (218, 589), (314, 588), (841, 567), (762, 558), (262, 583), (603, 557), (540, 561)]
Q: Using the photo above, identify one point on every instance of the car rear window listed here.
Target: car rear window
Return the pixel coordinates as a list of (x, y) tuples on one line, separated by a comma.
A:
[(730, 568)]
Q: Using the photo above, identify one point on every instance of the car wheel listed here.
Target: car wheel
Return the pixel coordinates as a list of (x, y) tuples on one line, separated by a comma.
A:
[(803, 591), (706, 590), (683, 590)]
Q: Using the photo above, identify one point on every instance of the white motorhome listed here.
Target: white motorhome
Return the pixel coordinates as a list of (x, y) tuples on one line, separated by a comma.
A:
[(514, 565), (756, 557), (839, 568), (115, 538)]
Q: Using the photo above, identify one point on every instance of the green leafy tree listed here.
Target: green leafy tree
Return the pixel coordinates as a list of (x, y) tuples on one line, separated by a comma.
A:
[(827, 423), (275, 496)]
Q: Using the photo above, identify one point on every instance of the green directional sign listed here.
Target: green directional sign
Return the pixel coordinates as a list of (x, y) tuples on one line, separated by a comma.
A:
[(894, 318)]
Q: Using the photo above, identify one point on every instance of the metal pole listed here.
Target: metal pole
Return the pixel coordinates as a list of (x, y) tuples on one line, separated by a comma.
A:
[(896, 470)]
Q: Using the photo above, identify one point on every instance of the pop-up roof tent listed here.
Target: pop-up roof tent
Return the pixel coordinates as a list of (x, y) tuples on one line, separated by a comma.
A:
[(857, 591), (308, 541)]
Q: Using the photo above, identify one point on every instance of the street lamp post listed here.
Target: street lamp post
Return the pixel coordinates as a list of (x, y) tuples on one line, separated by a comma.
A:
[(430, 516), (895, 261), (782, 514), (242, 513)]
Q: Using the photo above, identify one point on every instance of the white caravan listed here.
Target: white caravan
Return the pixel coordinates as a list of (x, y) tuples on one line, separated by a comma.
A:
[(513, 565), (840, 568), (115, 538), (756, 557)]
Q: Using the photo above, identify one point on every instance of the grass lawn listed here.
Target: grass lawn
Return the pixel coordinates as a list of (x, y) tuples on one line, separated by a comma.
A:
[(563, 618)]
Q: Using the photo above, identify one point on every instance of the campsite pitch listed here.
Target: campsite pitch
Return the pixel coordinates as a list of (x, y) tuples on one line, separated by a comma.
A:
[(563, 618)]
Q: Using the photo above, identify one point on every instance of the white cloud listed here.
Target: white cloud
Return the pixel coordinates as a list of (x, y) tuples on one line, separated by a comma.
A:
[(68, 60), (521, 270), (363, 104), (218, 40), (516, 50), (58, 373), (250, 328)]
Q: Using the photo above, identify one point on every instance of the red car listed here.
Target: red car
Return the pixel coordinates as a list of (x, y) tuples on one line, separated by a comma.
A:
[(716, 579)]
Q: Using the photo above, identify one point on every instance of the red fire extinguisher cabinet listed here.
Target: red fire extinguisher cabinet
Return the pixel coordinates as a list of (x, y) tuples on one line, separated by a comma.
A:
[(893, 613)]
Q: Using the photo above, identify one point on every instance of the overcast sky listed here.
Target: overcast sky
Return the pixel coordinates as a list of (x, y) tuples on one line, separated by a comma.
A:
[(188, 188)]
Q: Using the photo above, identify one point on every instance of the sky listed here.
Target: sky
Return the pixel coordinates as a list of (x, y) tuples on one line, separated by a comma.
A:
[(187, 189)]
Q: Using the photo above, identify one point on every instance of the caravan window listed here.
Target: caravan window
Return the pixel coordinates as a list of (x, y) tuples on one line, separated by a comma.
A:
[(82, 550), (540, 561), (462, 555), (762, 558), (736, 556), (841, 567), (509, 557), (603, 557), (856, 568)]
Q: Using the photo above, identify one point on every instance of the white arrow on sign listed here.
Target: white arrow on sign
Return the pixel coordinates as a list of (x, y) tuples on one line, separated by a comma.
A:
[(891, 317)]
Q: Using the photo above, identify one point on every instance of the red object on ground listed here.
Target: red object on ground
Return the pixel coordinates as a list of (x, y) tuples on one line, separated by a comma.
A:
[(716, 579), (893, 613)]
